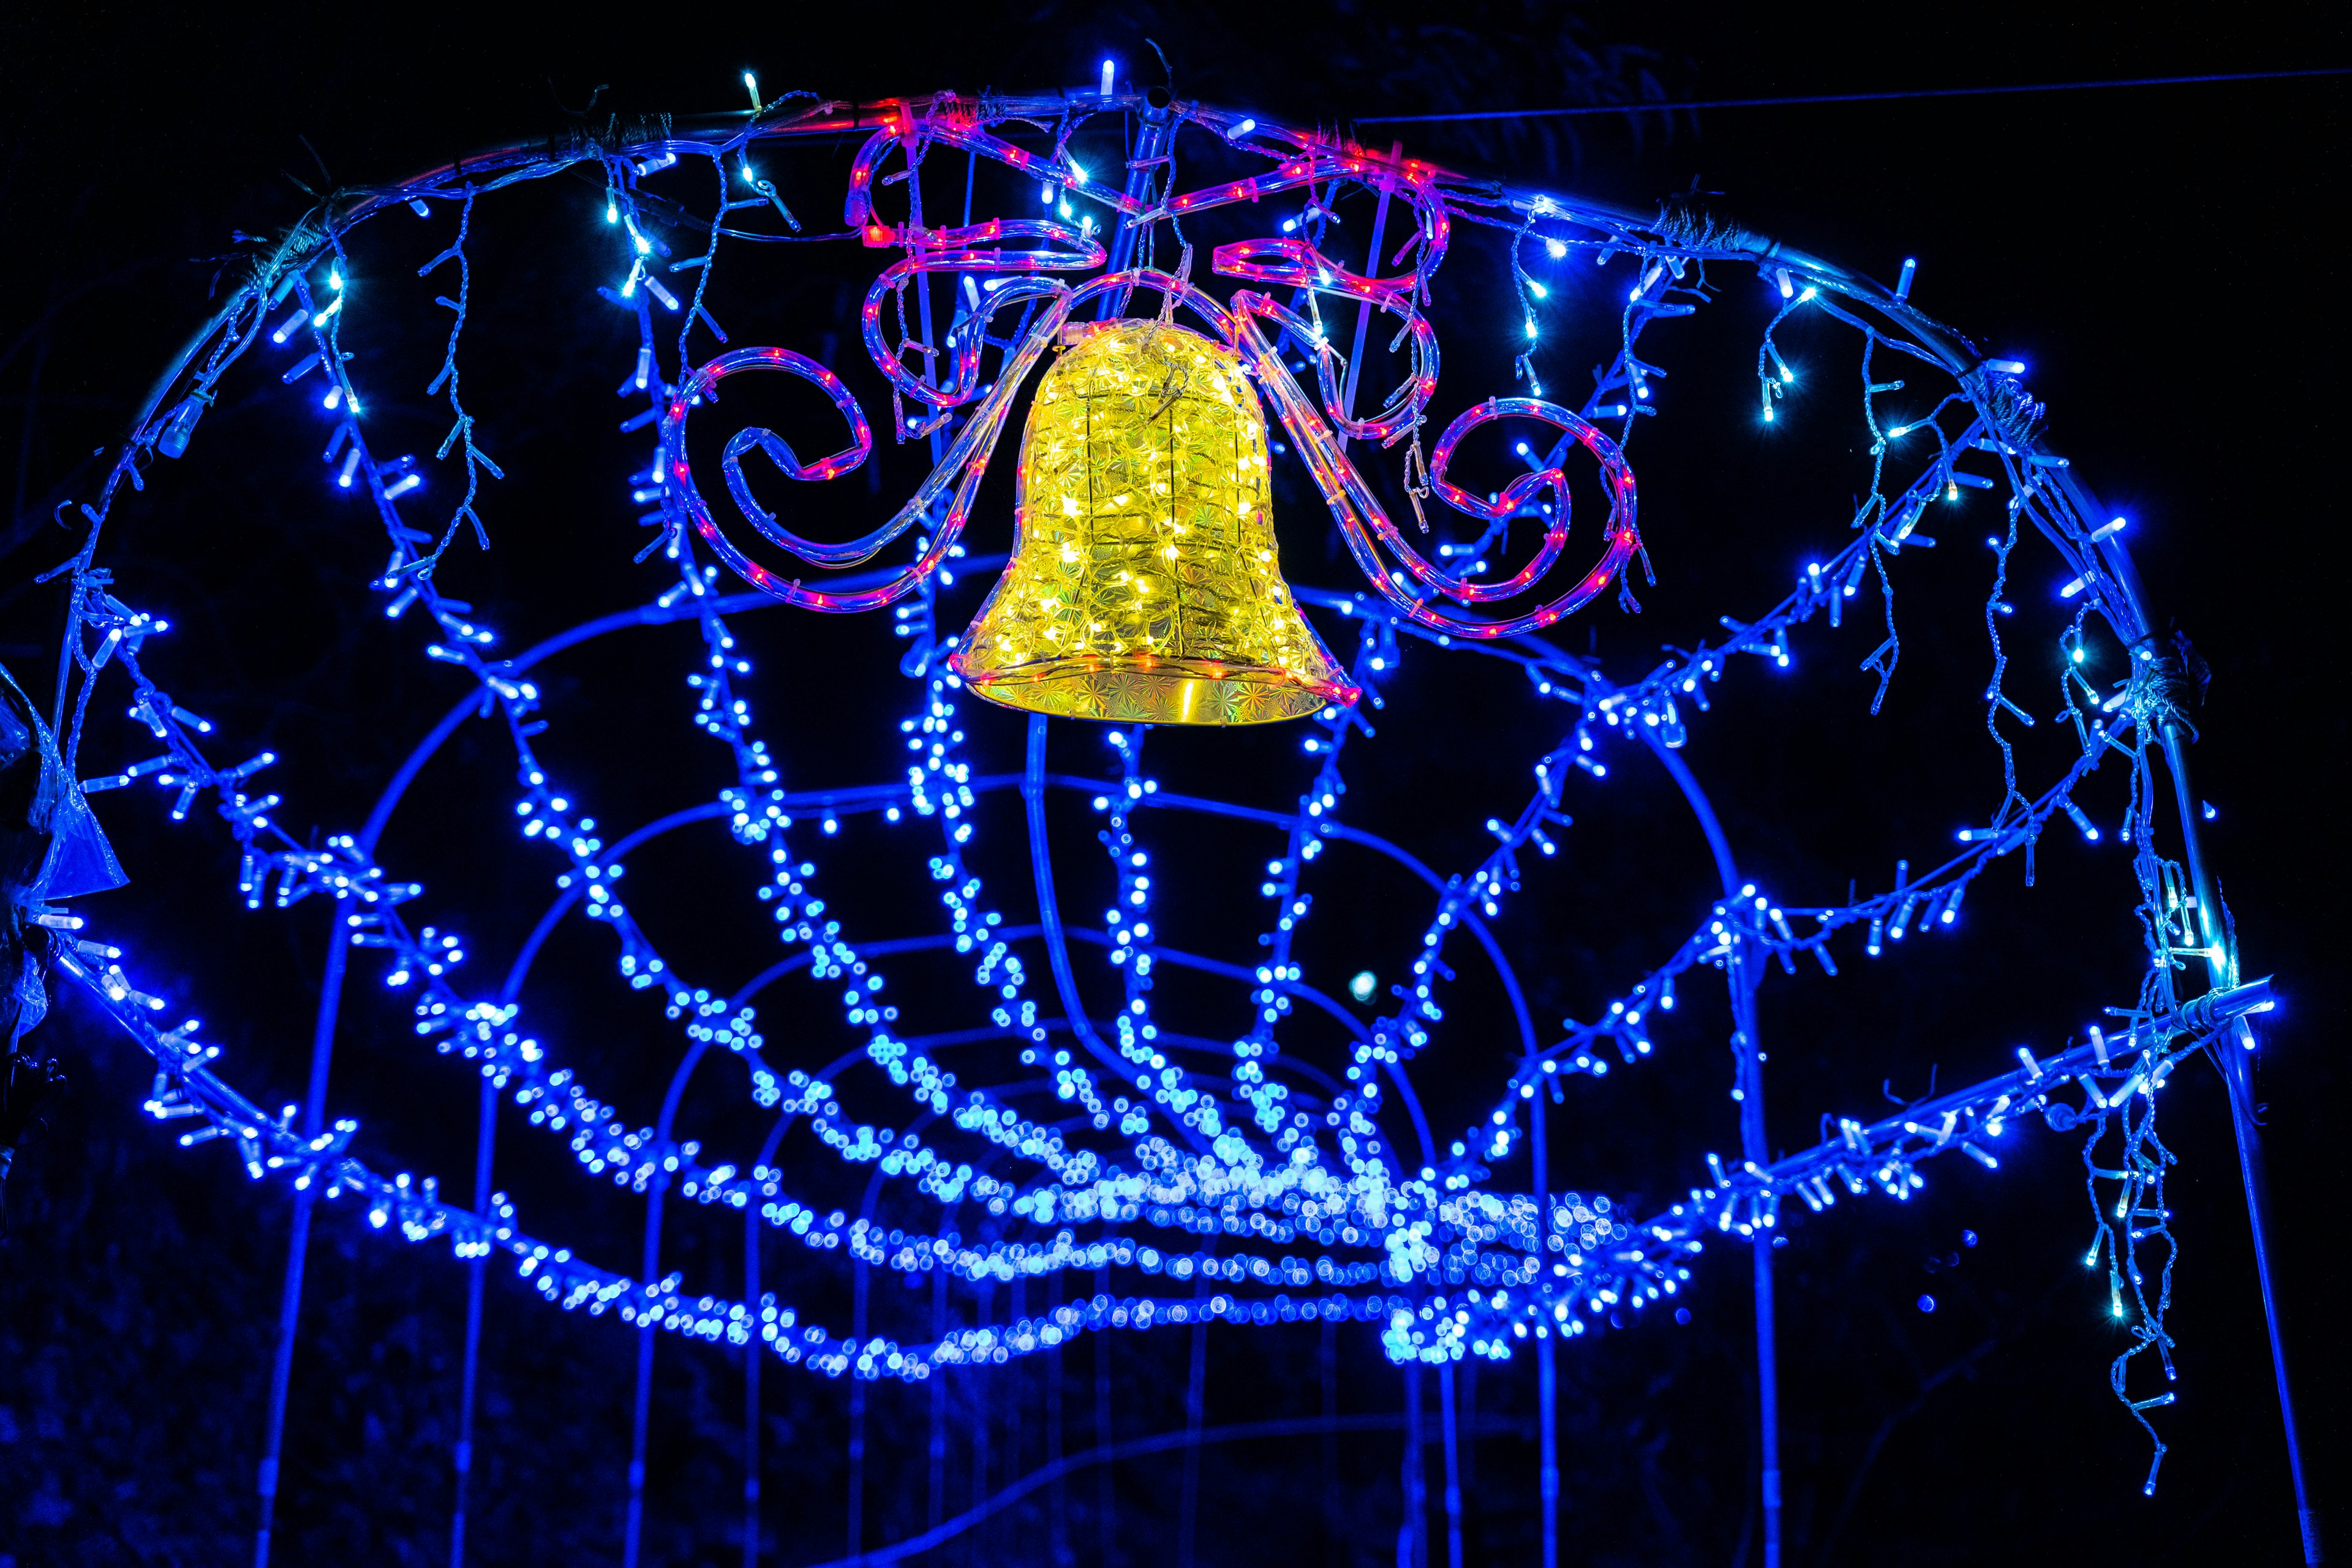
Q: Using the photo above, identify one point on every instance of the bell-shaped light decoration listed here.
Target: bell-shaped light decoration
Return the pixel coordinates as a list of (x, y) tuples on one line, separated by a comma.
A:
[(1143, 586)]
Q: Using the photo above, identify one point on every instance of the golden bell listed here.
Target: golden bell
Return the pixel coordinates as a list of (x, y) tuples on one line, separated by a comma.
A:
[(1143, 586)]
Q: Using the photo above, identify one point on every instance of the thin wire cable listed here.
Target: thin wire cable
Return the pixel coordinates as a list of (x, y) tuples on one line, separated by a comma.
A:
[(1855, 96)]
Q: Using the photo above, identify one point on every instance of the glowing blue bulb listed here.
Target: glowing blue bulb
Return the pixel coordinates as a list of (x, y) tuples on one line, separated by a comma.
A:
[(1557, 248)]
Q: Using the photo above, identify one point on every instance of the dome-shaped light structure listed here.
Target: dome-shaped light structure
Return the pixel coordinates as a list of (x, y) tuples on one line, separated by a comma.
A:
[(1143, 586)]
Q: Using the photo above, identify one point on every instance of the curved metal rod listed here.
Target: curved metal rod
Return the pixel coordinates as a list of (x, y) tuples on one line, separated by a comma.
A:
[(1744, 975), (1057, 947), (800, 961), (528, 954), (1111, 1453), (660, 1188), (1049, 911), (1177, 956), (1329, 1006), (1412, 1104), (1403, 857), (428, 746), (1702, 808), (470, 705), (1451, 195), (564, 902)]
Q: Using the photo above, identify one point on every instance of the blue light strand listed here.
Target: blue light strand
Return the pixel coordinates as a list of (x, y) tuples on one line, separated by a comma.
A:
[(1422, 1227)]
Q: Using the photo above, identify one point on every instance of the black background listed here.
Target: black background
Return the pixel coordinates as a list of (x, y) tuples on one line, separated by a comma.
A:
[(2157, 255)]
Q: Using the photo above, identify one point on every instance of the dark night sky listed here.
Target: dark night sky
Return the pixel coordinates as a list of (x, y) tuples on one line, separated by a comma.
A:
[(2160, 256)]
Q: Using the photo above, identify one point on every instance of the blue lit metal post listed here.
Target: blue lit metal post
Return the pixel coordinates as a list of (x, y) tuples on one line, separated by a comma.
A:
[(2234, 1058), (485, 1137), (314, 1117), (1547, 1374), (1744, 973)]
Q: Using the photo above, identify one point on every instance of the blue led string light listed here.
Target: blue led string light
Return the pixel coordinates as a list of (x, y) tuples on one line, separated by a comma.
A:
[(1320, 1218)]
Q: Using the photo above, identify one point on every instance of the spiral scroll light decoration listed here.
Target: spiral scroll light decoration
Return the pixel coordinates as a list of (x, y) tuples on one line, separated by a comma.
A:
[(1133, 1163)]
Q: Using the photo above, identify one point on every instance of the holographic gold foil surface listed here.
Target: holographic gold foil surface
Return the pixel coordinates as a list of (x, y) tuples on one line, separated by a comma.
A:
[(1143, 585)]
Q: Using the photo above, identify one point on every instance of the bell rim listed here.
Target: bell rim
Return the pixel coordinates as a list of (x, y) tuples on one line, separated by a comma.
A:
[(1041, 681)]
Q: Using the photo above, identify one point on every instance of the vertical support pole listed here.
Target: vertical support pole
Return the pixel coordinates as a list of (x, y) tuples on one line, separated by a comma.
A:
[(1413, 1550), (980, 1408), (1102, 1493), (281, 1372), (1326, 1357), (655, 1201), (1058, 1517), (860, 1283), (635, 1529), (1754, 1146), (937, 1510), (1547, 1373), (485, 1136), (297, 1244), (1015, 1373), (2238, 1081), (1744, 975), (1453, 1466), (1193, 1391), (753, 1349)]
